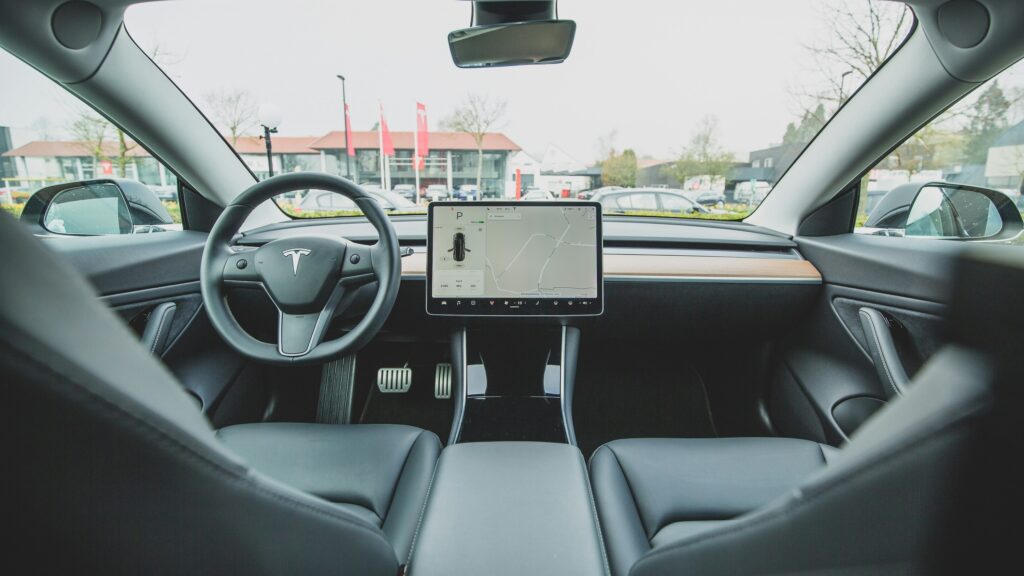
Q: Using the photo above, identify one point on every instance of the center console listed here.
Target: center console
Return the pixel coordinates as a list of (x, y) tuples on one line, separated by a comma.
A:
[(510, 494), (515, 273), (510, 508)]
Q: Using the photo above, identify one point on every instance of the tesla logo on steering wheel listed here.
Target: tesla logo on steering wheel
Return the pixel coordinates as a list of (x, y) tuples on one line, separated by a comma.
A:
[(295, 254)]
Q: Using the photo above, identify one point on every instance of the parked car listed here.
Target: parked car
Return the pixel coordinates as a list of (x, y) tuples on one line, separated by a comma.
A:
[(589, 194), (407, 191), (467, 192), (535, 193), (751, 194), (648, 200), (436, 192), (706, 197), (320, 200)]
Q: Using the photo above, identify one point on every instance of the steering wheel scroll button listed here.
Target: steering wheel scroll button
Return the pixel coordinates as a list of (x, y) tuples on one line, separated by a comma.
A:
[(354, 258), (241, 263)]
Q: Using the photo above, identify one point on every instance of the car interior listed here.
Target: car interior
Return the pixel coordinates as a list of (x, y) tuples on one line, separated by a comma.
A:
[(497, 386)]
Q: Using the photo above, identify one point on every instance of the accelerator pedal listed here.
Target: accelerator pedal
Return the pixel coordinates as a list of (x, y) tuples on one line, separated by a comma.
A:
[(443, 381), (394, 380)]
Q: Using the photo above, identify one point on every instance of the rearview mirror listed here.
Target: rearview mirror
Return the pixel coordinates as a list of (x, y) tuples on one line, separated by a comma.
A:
[(96, 208), (945, 210), (512, 44)]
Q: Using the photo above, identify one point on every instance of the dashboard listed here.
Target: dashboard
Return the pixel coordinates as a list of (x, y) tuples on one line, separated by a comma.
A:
[(514, 259), (701, 281)]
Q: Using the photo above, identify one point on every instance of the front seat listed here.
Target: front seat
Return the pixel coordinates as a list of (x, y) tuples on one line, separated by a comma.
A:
[(109, 467), (920, 488)]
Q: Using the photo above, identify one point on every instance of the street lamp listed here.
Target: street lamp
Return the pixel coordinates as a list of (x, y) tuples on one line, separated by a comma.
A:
[(842, 83), (270, 118), (344, 103)]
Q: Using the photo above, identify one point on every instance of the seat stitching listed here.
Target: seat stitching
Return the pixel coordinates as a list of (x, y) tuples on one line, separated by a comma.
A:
[(870, 467), (632, 496), (405, 463), (164, 438), (594, 516), (423, 513)]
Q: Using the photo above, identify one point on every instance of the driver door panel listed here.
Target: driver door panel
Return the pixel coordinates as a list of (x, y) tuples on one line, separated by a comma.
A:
[(141, 276)]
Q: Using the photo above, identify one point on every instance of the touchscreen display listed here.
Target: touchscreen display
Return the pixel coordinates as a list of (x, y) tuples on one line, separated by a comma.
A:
[(514, 258)]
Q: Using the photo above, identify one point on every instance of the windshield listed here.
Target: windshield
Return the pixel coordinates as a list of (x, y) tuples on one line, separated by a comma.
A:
[(694, 109)]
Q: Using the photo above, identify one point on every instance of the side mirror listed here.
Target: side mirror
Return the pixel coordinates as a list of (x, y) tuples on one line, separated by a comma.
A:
[(95, 208), (945, 210)]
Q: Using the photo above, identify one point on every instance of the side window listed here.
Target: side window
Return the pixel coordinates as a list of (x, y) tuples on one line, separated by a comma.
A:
[(644, 202), (675, 203), (959, 177), (65, 169)]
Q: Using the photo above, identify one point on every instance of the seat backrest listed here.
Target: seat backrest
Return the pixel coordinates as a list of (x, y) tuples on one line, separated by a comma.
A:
[(113, 468), (918, 488)]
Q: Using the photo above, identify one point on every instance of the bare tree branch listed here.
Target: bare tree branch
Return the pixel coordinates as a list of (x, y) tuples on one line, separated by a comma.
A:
[(234, 111), (476, 116)]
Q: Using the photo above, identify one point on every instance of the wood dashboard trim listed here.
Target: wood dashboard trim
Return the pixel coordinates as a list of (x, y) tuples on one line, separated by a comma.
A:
[(676, 267)]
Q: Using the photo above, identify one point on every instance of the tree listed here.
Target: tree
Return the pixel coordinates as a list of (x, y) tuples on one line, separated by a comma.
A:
[(856, 40), (91, 130), (619, 169), (235, 111), (858, 37), (476, 116), (703, 156), (43, 129), (987, 120), (810, 124)]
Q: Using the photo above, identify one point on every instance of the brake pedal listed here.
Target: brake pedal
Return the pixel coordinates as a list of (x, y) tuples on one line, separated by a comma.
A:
[(443, 381), (394, 380)]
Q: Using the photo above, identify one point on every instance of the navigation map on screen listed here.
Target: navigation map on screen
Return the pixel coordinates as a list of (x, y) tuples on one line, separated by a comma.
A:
[(515, 257)]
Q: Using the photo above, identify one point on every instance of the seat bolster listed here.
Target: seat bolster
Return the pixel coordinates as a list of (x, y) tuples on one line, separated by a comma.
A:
[(411, 493), (624, 533), (351, 464), (685, 479)]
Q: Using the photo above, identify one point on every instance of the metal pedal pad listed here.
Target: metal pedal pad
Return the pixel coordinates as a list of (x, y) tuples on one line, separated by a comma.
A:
[(394, 380), (443, 381)]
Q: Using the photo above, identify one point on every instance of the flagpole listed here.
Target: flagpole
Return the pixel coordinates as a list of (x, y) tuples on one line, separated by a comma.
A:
[(380, 143), (416, 156)]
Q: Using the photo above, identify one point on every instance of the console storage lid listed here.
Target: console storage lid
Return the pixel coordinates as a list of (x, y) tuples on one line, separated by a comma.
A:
[(511, 508)]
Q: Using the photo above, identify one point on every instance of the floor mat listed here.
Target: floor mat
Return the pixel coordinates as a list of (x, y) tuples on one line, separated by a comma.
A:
[(417, 407), (637, 392)]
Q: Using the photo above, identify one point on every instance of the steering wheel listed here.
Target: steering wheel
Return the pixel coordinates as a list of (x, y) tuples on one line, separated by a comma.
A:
[(310, 278)]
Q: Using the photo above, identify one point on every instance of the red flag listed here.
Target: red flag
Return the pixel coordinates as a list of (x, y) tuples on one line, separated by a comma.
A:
[(422, 140), (386, 145), (348, 134)]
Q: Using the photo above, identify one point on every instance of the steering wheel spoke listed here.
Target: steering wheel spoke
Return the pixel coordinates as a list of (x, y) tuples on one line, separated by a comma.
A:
[(299, 334)]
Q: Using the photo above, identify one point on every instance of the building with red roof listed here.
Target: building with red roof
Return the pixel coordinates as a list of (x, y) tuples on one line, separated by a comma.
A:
[(451, 162)]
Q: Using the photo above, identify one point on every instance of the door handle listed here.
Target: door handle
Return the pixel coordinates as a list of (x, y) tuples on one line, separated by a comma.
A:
[(158, 327), (882, 348)]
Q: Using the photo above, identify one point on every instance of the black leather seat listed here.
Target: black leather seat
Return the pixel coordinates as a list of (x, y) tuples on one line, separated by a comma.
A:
[(656, 491), (918, 489), (378, 472), (110, 469)]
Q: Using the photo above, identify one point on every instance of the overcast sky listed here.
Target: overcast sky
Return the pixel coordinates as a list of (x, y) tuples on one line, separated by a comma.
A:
[(648, 69)]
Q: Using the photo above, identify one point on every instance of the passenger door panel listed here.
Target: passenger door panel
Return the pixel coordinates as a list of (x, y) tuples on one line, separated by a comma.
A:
[(825, 382)]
